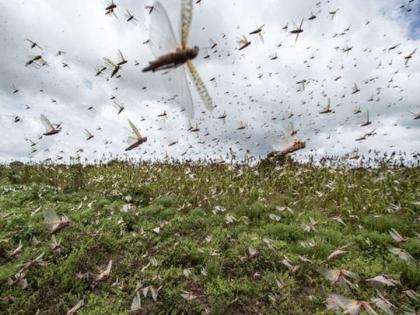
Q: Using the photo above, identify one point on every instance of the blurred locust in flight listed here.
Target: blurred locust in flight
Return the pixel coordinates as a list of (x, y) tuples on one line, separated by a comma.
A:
[(171, 55), (367, 122), (410, 56), (243, 43), (416, 115), (110, 8), (50, 128), (130, 17), (33, 44), (36, 61), (297, 30), (149, 8), (259, 31), (116, 67), (88, 135), (118, 107), (327, 109), (135, 140), (296, 145), (14, 89)]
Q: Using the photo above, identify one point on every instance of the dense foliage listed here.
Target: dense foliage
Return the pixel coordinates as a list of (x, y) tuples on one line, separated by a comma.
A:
[(208, 238)]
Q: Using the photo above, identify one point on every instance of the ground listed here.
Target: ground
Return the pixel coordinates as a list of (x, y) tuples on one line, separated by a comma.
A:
[(218, 239)]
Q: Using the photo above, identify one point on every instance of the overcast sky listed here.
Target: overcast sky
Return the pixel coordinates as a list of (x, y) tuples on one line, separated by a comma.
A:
[(251, 86)]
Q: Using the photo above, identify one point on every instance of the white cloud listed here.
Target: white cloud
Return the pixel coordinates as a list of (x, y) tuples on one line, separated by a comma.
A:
[(248, 86)]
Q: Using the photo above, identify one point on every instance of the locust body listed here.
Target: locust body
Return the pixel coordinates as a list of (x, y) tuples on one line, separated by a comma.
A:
[(172, 60)]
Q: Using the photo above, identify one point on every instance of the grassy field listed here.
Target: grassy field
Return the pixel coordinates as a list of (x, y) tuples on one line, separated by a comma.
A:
[(216, 239)]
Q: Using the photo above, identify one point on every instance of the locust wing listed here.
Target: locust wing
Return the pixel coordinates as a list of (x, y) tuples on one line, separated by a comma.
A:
[(47, 124), (134, 129), (243, 40), (284, 139), (117, 106), (186, 18), (51, 217), (131, 140), (121, 56), (201, 87), (177, 82), (301, 24), (161, 34), (412, 53), (88, 134), (136, 304), (110, 63)]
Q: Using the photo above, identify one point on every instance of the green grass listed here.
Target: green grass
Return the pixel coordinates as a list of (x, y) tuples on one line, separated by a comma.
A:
[(210, 218)]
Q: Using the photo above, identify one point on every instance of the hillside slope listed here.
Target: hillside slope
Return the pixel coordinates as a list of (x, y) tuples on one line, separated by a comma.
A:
[(208, 239)]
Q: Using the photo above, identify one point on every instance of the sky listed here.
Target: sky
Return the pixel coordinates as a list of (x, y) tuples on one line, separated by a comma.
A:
[(255, 88)]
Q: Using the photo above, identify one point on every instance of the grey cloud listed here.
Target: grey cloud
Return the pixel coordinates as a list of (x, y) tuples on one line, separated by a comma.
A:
[(82, 30)]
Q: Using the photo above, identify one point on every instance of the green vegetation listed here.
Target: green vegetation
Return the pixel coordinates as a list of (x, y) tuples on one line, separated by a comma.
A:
[(216, 239)]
